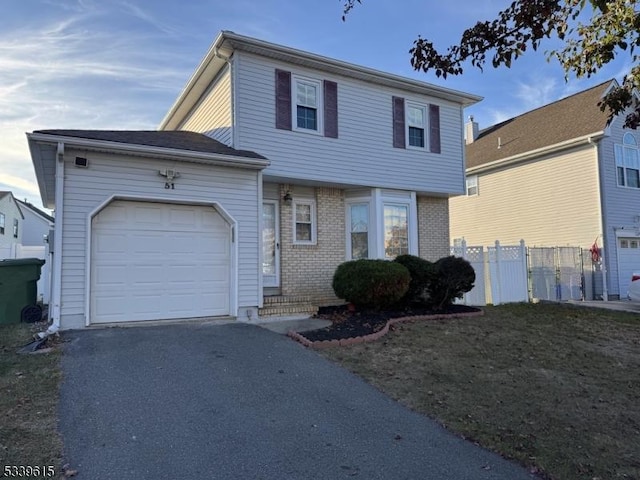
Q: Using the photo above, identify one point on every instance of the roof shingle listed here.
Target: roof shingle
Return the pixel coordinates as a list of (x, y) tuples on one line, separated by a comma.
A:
[(174, 139), (571, 117)]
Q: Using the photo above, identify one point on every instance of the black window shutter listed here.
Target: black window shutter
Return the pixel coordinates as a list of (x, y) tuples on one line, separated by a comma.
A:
[(434, 128), (330, 109), (398, 123), (283, 100)]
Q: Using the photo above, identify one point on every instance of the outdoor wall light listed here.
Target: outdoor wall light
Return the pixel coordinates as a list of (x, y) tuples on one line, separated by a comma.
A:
[(287, 197)]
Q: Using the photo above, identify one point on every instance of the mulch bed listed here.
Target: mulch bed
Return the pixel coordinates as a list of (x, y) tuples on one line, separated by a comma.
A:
[(355, 327)]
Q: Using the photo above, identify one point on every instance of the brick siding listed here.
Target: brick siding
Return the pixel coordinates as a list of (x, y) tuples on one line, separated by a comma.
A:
[(433, 227), (308, 269)]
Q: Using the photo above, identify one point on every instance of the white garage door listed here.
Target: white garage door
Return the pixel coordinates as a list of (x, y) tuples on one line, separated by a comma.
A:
[(628, 262), (155, 261)]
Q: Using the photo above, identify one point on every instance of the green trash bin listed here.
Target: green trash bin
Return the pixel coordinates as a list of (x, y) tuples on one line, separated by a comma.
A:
[(19, 290)]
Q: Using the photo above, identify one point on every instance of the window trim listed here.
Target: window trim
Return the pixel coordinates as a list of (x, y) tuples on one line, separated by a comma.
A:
[(2, 223), (425, 140), (318, 84), (471, 182), (314, 224)]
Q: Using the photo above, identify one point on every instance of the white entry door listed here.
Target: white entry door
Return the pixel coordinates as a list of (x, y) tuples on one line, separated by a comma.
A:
[(270, 244)]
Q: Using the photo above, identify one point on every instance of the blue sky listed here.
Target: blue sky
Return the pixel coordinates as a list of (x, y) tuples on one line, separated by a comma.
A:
[(120, 64)]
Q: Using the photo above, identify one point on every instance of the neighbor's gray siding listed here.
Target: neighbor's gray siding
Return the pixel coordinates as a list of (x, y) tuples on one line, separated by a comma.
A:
[(621, 204), (107, 175), (363, 153), (212, 114), (10, 210)]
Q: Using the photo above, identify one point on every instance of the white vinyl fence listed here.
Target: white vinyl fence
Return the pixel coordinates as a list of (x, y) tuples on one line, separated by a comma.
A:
[(17, 250), (516, 273), (506, 274)]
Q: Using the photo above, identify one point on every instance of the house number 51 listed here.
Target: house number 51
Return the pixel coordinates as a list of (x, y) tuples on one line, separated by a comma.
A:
[(169, 185)]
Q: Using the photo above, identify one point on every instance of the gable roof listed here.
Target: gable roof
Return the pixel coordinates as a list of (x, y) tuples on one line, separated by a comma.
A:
[(563, 120), (179, 140), (34, 209), (227, 42), (4, 193)]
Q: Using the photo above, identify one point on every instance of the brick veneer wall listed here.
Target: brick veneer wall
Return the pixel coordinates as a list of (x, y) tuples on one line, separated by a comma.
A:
[(433, 227), (308, 269)]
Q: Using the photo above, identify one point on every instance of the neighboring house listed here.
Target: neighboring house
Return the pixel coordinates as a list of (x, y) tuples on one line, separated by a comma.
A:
[(556, 176), (299, 163), (36, 225), (11, 219)]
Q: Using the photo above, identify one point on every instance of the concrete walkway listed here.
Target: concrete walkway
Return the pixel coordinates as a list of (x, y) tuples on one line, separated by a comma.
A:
[(620, 305), (236, 401)]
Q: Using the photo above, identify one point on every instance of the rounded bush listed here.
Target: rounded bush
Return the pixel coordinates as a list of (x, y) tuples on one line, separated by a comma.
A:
[(368, 283), (422, 273), (454, 277)]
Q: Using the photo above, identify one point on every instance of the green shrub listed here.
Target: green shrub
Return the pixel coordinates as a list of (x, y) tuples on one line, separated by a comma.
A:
[(422, 273), (453, 277), (371, 283)]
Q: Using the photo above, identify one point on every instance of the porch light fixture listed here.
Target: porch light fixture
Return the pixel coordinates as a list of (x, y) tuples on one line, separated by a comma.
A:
[(287, 197)]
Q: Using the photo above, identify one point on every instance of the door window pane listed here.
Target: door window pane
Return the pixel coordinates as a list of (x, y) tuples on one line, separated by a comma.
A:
[(268, 239)]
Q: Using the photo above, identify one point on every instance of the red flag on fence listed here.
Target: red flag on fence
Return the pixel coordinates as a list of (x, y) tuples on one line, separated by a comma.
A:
[(595, 251)]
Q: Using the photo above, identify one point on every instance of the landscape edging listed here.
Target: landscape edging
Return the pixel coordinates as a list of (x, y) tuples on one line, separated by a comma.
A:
[(299, 337)]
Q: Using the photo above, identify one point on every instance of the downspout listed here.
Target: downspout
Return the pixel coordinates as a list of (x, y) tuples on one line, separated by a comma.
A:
[(603, 227), (232, 86), (57, 236)]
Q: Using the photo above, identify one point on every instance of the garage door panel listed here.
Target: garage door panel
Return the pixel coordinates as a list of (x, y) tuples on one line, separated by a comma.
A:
[(628, 262), (165, 261)]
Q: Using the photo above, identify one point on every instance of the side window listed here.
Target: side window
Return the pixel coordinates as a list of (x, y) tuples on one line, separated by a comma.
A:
[(415, 125), (304, 222), (472, 186), (15, 228), (627, 162), (1, 223), (306, 103)]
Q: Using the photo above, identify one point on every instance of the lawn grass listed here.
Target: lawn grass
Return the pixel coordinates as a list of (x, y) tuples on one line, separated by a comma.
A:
[(556, 387), (29, 386)]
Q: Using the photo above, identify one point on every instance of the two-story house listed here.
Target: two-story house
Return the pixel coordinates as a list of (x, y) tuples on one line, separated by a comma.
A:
[(558, 175), (10, 221), (272, 167)]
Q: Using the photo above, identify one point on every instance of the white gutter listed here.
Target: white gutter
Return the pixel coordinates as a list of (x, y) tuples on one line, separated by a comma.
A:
[(521, 157), (157, 152), (56, 294)]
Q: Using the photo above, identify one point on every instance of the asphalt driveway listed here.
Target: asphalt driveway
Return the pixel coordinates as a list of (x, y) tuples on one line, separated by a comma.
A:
[(236, 401)]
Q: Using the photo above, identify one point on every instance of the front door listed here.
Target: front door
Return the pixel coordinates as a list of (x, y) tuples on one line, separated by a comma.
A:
[(270, 244)]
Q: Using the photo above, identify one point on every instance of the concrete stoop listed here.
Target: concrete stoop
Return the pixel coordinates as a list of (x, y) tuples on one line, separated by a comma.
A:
[(287, 306)]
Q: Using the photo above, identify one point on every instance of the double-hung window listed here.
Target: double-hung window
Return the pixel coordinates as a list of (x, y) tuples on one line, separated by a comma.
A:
[(1, 223), (396, 230), (359, 230), (307, 101), (472, 185), (416, 125), (304, 222), (628, 162), (15, 228)]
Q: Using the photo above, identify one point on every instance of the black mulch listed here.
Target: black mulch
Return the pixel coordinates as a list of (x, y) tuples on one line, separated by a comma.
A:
[(347, 324)]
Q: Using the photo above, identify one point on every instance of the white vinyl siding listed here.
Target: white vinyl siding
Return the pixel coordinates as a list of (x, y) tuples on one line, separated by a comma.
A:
[(85, 189), (548, 202), (363, 155), (212, 115)]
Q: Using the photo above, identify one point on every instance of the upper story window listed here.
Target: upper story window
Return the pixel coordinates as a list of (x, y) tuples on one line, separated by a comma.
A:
[(472, 185), (628, 162), (1, 223), (416, 125), (306, 105), (15, 228), (304, 222)]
